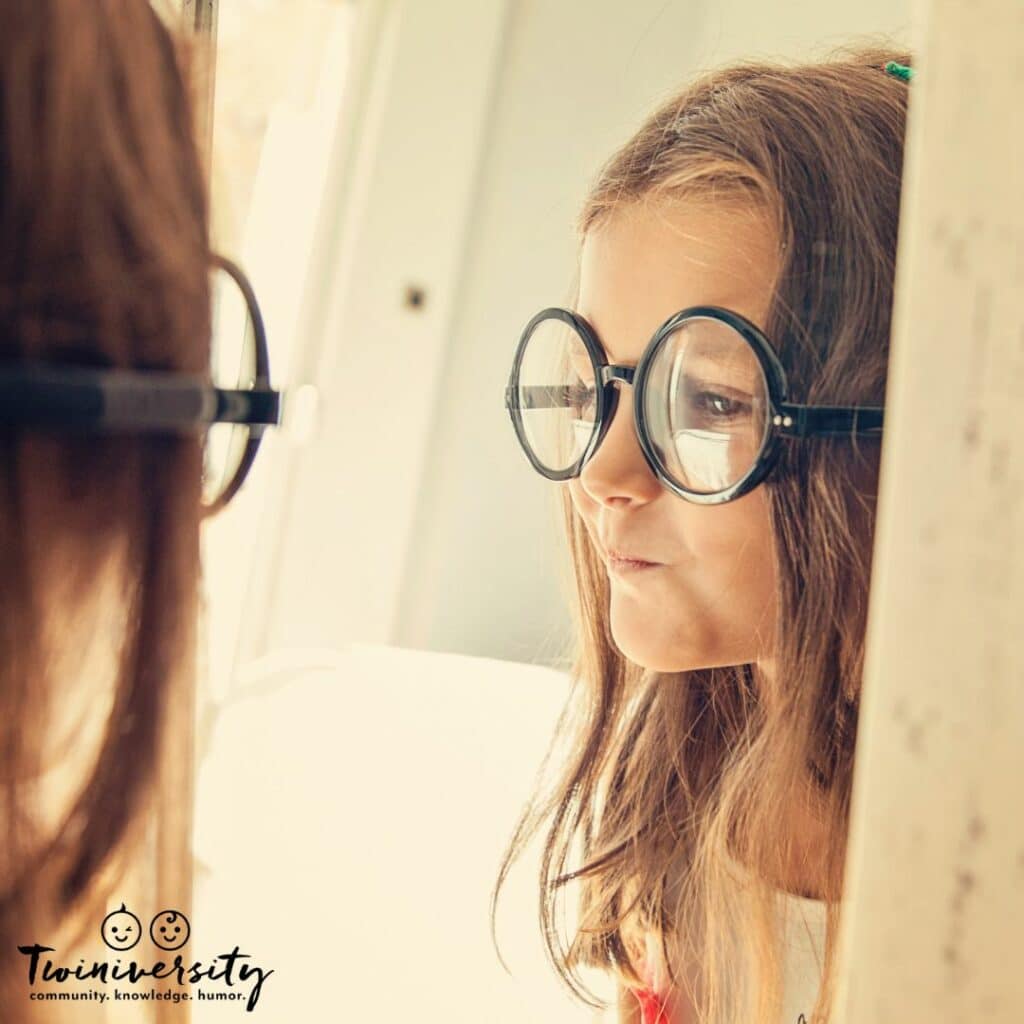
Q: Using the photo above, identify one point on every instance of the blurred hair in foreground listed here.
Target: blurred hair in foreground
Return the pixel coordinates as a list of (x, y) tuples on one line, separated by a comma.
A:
[(103, 262)]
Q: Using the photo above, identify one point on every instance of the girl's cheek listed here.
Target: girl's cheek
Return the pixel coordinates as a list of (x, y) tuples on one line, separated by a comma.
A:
[(582, 508), (579, 500), (585, 507)]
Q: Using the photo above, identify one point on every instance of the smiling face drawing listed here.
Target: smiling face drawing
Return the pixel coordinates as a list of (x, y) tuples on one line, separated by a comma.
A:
[(121, 929), (169, 929)]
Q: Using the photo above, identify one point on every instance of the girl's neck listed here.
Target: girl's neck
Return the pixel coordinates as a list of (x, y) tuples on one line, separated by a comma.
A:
[(806, 872), (803, 871)]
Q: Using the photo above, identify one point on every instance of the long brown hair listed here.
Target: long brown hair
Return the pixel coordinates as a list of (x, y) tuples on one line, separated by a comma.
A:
[(103, 262), (675, 778)]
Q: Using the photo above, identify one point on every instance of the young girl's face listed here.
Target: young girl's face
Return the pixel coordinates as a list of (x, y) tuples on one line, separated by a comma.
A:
[(710, 600)]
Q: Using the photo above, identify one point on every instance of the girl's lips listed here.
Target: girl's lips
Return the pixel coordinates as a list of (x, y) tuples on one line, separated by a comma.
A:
[(625, 558), (629, 564)]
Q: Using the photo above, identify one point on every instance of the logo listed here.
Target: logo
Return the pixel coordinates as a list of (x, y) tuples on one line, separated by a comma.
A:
[(227, 977), (121, 929), (169, 930)]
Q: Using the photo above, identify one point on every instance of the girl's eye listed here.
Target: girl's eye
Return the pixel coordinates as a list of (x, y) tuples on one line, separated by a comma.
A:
[(718, 406), (721, 404)]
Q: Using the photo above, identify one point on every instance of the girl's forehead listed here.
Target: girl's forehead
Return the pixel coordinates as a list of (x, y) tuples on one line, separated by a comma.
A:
[(645, 261)]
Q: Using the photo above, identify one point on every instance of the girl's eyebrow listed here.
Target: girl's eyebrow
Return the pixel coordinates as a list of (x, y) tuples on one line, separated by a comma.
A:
[(732, 364), (733, 374), (744, 386)]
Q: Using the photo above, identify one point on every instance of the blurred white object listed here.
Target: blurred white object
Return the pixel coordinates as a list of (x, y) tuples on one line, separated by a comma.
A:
[(351, 815)]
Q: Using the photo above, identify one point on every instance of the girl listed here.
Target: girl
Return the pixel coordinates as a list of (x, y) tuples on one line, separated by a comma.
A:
[(713, 408), (104, 268)]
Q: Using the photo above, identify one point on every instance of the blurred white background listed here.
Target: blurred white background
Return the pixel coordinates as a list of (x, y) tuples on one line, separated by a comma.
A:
[(352, 814)]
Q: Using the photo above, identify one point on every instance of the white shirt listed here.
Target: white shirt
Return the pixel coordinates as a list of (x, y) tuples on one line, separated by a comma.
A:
[(804, 958)]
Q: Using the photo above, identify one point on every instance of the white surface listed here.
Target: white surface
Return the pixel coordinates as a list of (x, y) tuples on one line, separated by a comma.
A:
[(935, 812), (350, 824)]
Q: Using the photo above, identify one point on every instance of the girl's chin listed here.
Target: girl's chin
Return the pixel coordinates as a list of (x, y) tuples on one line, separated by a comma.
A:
[(653, 663), (656, 646), (638, 649)]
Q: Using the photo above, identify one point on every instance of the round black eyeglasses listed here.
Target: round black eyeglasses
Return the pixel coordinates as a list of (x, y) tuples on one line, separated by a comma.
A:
[(232, 408), (710, 401)]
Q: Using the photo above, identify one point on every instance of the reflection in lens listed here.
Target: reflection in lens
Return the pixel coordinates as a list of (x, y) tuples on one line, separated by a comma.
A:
[(556, 394), (706, 405), (232, 365)]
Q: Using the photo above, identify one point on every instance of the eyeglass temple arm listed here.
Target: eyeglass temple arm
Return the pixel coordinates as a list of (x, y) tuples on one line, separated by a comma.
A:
[(138, 400), (791, 419), (827, 420), (256, 407)]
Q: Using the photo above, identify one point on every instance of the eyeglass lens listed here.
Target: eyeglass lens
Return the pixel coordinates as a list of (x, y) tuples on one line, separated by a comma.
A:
[(557, 396), (705, 402)]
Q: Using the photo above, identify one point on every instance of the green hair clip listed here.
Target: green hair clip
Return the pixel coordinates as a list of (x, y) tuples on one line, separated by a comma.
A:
[(899, 70)]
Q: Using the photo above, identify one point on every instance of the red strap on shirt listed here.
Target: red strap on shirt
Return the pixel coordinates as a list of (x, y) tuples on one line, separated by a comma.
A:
[(653, 1009)]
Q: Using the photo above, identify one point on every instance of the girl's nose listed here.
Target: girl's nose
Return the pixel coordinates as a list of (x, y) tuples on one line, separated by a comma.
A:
[(618, 471)]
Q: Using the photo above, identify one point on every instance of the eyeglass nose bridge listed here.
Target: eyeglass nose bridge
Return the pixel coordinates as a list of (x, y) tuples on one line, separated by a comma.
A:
[(605, 375), (623, 373)]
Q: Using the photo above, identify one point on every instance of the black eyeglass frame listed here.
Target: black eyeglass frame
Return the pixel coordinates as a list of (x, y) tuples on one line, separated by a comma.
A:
[(67, 397), (785, 419)]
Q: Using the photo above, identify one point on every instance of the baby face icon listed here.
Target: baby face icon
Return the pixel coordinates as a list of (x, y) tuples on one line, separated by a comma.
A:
[(169, 929), (121, 929)]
